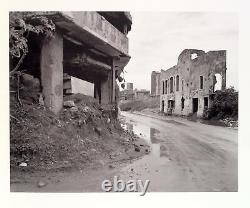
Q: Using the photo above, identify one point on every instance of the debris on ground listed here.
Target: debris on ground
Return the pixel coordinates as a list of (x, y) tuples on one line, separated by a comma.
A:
[(41, 184), (81, 135)]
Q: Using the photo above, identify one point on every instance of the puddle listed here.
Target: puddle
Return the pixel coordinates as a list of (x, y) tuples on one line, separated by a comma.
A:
[(151, 135)]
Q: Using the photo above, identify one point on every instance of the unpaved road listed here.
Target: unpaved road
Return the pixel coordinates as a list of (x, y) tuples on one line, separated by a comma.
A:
[(185, 156)]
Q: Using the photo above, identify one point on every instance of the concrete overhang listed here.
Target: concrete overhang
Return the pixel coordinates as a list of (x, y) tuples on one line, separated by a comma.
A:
[(96, 32), (92, 29)]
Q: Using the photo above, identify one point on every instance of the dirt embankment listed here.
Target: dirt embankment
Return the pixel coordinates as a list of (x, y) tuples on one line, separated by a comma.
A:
[(84, 134)]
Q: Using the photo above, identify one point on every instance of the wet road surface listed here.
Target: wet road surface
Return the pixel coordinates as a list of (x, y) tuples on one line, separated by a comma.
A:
[(185, 156)]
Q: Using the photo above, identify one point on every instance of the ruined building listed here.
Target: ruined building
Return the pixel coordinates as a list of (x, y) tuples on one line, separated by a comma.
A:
[(188, 87), (155, 83), (91, 46), (128, 93)]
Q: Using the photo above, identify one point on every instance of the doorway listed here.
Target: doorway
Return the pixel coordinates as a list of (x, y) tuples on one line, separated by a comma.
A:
[(162, 106), (195, 105), (205, 102)]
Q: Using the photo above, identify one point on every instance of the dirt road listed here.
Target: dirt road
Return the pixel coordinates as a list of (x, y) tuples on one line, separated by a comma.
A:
[(185, 156)]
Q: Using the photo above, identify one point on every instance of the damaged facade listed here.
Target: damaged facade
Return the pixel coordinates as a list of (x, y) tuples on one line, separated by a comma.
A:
[(188, 87), (91, 46), (155, 83), (128, 93)]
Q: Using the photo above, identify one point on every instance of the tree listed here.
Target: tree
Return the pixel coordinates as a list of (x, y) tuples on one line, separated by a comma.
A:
[(224, 104), (20, 25)]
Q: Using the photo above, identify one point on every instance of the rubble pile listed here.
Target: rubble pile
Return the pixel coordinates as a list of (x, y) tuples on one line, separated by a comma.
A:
[(84, 133)]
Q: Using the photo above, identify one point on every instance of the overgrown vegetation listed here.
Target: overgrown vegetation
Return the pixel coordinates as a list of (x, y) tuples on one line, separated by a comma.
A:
[(224, 105), (20, 26), (80, 136)]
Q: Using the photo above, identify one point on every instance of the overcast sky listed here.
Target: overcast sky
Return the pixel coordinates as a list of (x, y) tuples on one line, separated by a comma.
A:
[(157, 39)]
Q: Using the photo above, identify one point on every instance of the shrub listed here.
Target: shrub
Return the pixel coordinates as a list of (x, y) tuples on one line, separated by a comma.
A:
[(224, 104)]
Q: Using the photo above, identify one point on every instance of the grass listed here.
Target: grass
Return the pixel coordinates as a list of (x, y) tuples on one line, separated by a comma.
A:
[(139, 105)]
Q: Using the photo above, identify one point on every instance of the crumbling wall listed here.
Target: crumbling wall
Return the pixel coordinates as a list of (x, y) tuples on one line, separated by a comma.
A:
[(197, 80)]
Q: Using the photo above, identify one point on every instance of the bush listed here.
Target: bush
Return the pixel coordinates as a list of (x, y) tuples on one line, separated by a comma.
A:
[(224, 104)]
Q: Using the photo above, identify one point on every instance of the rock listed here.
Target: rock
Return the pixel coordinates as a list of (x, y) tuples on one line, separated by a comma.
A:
[(108, 120), (23, 164), (40, 99), (93, 150), (41, 184), (30, 82), (101, 162), (147, 150), (69, 104), (98, 130), (86, 109), (73, 109), (137, 149), (111, 166), (81, 122)]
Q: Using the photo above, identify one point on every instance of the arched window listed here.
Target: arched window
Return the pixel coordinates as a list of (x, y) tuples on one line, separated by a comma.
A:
[(163, 87), (171, 84), (177, 83), (166, 86)]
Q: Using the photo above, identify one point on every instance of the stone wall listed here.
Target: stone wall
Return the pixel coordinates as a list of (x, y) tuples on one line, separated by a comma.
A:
[(197, 72), (155, 83)]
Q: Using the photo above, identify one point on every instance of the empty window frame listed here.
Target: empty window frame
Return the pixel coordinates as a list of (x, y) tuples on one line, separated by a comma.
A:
[(205, 102), (171, 85), (177, 83), (201, 82), (163, 87), (166, 86), (182, 103)]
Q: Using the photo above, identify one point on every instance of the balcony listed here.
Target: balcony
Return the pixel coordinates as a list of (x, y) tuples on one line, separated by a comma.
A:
[(95, 31)]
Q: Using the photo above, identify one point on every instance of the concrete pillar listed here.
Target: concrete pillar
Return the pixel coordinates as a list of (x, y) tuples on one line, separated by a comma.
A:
[(52, 72), (113, 83), (106, 89)]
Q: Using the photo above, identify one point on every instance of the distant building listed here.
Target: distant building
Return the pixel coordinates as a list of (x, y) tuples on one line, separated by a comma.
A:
[(155, 83), (188, 87), (129, 86), (142, 94), (128, 93)]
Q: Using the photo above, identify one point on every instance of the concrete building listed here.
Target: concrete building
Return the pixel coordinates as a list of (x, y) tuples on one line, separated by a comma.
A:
[(188, 87), (128, 93), (155, 83), (91, 46), (130, 86)]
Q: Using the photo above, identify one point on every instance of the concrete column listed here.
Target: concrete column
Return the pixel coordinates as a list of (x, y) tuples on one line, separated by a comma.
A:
[(113, 83), (52, 72), (106, 89)]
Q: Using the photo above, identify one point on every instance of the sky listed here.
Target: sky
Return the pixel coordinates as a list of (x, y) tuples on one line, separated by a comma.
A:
[(157, 38)]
